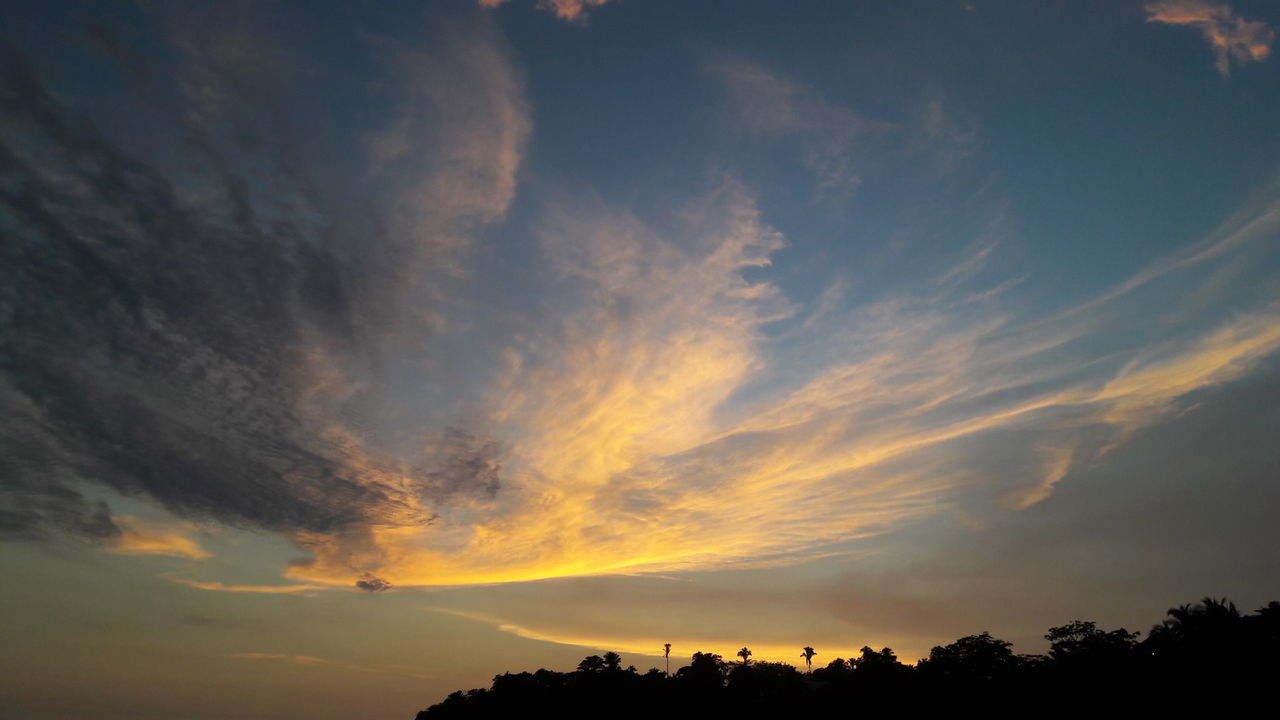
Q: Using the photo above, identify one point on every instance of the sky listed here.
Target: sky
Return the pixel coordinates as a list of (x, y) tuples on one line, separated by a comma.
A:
[(351, 354)]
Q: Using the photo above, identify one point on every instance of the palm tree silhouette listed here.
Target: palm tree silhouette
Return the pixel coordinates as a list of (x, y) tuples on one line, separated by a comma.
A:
[(744, 653), (666, 653), (612, 661), (1196, 624), (808, 657)]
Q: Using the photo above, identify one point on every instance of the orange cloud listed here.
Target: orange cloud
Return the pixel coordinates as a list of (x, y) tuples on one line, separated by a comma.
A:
[(138, 538), (629, 447), (1057, 464), (1230, 36), (571, 10), (653, 426)]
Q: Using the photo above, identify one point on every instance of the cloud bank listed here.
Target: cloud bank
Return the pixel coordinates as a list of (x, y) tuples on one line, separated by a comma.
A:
[(200, 319)]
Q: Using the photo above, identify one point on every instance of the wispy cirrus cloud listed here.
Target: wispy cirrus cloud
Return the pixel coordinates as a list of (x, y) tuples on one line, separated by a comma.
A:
[(832, 138), (448, 155), (295, 659), (1232, 38), (139, 538), (312, 661), (663, 333), (837, 144), (654, 427), (256, 589)]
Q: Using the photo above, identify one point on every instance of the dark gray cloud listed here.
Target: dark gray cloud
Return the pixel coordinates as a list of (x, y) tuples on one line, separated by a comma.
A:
[(372, 583), (188, 315), (463, 462), (31, 510), (156, 340), (37, 499)]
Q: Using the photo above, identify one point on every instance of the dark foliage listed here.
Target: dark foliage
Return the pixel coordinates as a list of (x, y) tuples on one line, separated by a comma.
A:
[(1206, 654)]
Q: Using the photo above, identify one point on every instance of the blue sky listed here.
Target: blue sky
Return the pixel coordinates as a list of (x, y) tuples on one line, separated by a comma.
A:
[(353, 356)]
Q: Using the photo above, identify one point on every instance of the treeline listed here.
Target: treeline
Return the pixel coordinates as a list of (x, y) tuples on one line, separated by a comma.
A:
[(1203, 655)]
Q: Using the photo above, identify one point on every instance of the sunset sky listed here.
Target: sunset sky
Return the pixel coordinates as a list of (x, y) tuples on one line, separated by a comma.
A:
[(354, 353)]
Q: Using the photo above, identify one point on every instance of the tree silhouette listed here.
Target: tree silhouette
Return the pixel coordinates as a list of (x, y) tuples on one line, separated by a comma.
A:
[(612, 661), (871, 661), (591, 663), (666, 654), (705, 661), (1265, 624), (974, 657), (1205, 651), (705, 672), (808, 654), (764, 688), (1206, 616), (836, 671), (1195, 641), (1081, 641)]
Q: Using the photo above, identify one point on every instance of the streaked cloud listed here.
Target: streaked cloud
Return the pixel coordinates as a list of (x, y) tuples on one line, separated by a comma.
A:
[(309, 660), (139, 538), (663, 334), (295, 659), (839, 146), (1232, 38), (632, 449), (448, 155), (650, 646), (1057, 463), (833, 140), (261, 589)]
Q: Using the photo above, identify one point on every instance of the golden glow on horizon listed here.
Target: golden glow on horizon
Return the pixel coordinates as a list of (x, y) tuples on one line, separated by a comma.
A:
[(682, 648)]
